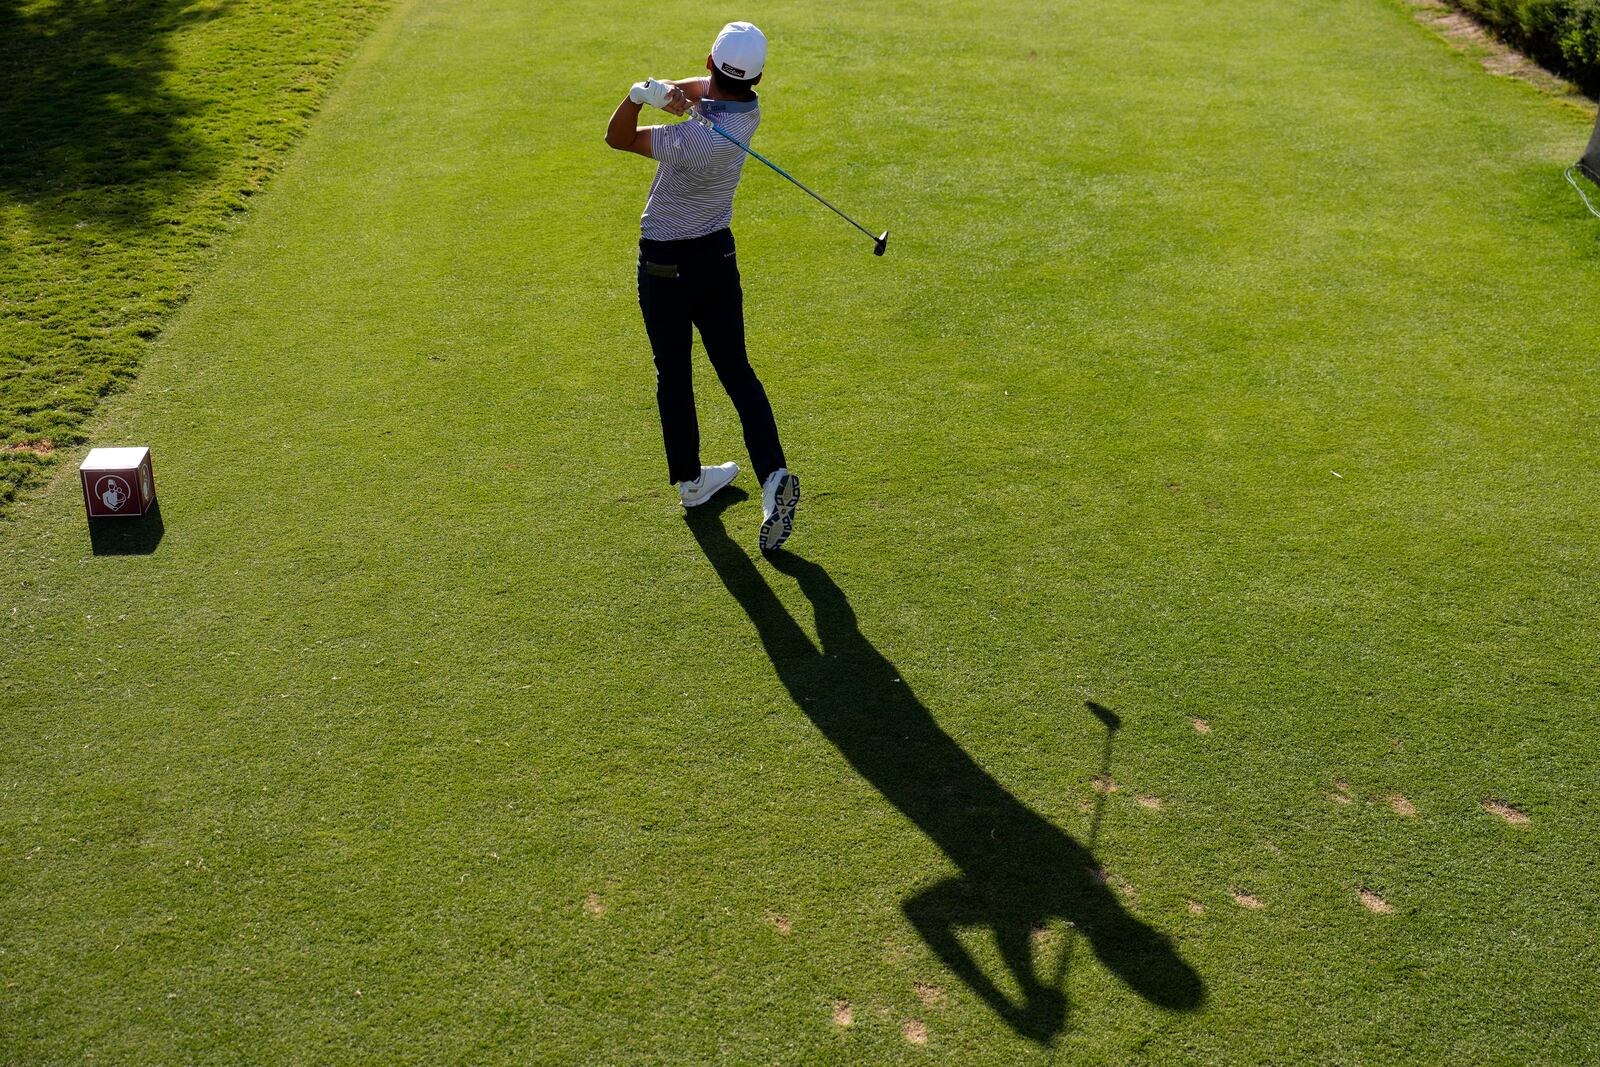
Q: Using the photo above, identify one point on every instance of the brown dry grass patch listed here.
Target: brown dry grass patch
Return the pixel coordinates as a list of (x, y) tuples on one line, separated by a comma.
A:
[(1509, 812), (1375, 903), (843, 1013), (1465, 34), (42, 447), (915, 1032), (1247, 900)]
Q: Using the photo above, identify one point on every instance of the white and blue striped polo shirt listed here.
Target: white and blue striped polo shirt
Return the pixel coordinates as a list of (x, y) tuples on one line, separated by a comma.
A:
[(692, 194)]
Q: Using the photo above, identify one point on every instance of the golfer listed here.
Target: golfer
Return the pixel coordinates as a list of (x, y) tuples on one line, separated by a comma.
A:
[(689, 275)]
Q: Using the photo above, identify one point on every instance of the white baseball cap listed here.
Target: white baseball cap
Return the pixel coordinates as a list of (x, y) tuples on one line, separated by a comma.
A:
[(740, 51)]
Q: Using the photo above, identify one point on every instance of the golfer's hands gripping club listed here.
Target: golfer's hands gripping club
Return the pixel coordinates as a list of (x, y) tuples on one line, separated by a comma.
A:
[(651, 91), (678, 103), (657, 93)]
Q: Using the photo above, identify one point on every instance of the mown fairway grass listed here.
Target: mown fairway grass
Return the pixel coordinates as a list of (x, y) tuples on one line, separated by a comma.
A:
[(1231, 362)]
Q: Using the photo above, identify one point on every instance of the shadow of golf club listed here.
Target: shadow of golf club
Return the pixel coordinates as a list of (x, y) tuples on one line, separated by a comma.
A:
[(1018, 871)]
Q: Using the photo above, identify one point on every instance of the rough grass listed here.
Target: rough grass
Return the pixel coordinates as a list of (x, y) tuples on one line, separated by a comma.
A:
[(132, 136), (1228, 369)]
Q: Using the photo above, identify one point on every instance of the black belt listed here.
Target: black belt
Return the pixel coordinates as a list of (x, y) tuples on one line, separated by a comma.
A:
[(688, 246)]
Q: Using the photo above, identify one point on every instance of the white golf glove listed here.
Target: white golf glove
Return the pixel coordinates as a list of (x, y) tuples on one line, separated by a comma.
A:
[(651, 91)]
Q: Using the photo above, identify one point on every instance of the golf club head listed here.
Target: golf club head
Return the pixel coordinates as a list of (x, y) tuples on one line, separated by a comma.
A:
[(883, 242)]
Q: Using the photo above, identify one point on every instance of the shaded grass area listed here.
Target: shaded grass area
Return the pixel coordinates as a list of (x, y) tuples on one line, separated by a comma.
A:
[(1563, 35), (1252, 396), (132, 136)]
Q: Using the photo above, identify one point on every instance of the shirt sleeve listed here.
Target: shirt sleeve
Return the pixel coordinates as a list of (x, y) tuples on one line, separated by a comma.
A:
[(679, 144)]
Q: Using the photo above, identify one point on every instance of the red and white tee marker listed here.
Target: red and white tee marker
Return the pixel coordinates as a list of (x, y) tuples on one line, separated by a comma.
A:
[(117, 482)]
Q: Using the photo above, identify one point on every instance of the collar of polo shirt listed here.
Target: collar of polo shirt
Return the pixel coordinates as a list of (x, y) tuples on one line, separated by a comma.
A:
[(712, 107)]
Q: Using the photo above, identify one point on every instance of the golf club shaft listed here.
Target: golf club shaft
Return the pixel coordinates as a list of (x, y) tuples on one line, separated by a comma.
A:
[(698, 117)]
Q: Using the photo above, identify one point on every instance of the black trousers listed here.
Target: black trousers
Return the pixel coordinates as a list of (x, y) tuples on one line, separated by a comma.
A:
[(684, 285)]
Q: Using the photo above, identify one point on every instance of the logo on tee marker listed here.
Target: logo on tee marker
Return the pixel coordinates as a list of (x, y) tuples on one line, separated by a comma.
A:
[(112, 491)]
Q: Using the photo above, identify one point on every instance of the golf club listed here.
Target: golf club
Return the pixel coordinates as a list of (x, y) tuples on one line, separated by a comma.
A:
[(880, 242)]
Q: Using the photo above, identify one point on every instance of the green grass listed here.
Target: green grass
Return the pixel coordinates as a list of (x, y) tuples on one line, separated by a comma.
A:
[(132, 135), (1230, 362)]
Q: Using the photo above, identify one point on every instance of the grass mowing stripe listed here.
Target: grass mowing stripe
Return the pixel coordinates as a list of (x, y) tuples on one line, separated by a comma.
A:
[(429, 730)]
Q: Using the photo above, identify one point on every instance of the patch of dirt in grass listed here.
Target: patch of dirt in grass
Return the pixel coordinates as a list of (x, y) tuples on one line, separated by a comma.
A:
[(1465, 34), (1400, 804), (593, 904), (929, 994), (915, 1032), (1042, 937), (42, 447), (1341, 793), (1375, 903), (1117, 882), (1147, 801), (843, 1014), (1247, 900), (1509, 812), (1200, 726), (1196, 908), (1103, 783), (780, 923)]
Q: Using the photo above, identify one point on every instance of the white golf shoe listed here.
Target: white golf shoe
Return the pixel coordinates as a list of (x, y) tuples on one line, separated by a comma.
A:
[(779, 497), (705, 487)]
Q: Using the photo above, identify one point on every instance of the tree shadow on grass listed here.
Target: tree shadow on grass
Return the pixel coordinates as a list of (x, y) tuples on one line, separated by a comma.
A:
[(88, 126), (1019, 872)]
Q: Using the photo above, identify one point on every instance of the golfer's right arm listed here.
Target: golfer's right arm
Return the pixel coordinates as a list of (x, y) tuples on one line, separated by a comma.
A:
[(694, 89)]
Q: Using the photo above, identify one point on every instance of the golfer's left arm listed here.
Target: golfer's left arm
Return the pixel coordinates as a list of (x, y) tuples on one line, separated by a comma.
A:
[(672, 97), (624, 133)]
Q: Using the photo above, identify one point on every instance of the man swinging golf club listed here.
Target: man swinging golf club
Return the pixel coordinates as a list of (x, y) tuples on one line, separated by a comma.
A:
[(689, 275)]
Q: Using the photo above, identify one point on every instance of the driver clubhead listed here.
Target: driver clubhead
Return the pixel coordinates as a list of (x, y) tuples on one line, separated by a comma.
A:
[(883, 243)]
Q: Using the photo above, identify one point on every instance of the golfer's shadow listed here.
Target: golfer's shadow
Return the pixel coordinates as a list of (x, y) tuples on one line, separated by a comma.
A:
[(1018, 871)]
